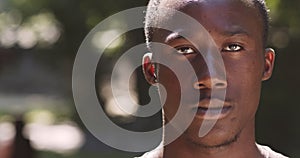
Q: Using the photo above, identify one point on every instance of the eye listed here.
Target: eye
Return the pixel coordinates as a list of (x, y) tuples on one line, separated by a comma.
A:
[(185, 50), (232, 48)]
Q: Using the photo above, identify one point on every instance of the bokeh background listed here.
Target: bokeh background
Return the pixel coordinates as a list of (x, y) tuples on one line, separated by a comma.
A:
[(39, 40)]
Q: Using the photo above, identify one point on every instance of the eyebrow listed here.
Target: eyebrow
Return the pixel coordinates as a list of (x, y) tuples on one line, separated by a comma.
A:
[(173, 37), (233, 31)]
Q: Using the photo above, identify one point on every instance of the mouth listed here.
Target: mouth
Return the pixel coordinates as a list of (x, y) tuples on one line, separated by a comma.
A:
[(213, 109)]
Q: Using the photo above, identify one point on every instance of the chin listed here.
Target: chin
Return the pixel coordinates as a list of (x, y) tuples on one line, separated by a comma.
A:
[(215, 138)]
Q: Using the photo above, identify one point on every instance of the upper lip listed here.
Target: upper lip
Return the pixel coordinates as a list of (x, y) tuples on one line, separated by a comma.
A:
[(214, 103)]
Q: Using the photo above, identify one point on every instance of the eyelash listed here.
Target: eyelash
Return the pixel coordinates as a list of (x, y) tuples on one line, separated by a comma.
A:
[(191, 50), (237, 48), (188, 49)]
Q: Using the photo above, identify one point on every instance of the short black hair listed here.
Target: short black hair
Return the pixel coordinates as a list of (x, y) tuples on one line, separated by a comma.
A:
[(152, 18)]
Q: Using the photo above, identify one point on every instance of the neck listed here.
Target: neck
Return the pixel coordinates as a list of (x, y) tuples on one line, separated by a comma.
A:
[(244, 146)]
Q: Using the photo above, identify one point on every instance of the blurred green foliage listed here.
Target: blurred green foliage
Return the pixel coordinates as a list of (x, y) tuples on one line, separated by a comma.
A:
[(277, 119), (278, 114)]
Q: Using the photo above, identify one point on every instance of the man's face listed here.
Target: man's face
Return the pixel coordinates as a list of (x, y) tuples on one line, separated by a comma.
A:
[(237, 31)]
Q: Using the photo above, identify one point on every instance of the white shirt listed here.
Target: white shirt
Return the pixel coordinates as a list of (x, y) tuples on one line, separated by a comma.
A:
[(264, 150)]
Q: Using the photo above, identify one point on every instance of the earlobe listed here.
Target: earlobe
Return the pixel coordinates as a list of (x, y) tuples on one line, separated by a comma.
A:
[(149, 69), (269, 63)]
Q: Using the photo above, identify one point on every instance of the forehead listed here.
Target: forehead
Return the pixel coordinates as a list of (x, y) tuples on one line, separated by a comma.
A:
[(222, 16), (177, 4)]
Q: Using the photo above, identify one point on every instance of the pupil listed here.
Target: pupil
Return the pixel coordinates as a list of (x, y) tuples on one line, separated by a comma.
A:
[(234, 47)]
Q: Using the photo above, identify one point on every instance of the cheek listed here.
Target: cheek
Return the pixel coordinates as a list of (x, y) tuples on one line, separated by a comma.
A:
[(168, 79), (244, 85)]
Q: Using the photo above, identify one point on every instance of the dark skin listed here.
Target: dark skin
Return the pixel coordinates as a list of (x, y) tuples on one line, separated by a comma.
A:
[(247, 64)]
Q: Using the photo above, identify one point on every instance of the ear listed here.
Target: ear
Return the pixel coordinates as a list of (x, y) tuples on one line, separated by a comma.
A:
[(269, 63), (149, 69)]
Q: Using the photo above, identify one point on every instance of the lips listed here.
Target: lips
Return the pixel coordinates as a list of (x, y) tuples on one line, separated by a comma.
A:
[(213, 108)]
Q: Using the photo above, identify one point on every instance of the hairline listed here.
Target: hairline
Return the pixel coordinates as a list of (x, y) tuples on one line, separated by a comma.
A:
[(152, 18)]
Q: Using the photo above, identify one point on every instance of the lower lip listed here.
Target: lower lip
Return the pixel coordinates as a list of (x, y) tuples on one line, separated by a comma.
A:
[(214, 113)]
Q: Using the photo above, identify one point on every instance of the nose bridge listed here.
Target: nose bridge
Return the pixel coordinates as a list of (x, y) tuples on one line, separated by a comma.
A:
[(210, 72)]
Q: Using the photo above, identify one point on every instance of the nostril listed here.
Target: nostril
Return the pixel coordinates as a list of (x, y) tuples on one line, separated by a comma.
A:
[(220, 85), (204, 85), (199, 86)]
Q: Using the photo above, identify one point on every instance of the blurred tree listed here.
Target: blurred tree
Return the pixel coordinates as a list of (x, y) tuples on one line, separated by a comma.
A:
[(21, 146), (277, 116), (51, 64)]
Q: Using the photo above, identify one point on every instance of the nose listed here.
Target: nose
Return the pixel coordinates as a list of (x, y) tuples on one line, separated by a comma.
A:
[(211, 74), (209, 83)]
